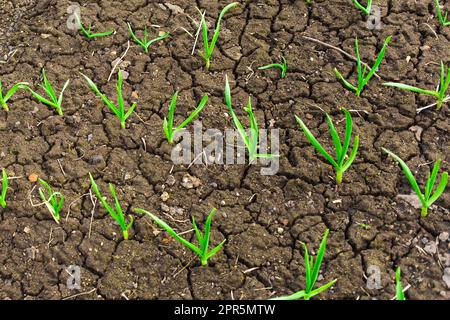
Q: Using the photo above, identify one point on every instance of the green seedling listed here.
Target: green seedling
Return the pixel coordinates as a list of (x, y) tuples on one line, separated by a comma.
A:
[(363, 79), (442, 19), (119, 111), (250, 141), (54, 102), (399, 294), (203, 238), (116, 214), (169, 131), (282, 67), (366, 9), (145, 43), (4, 98), (312, 272), (209, 47), (426, 199), (4, 189), (52, 200), (439, 93), (340, 165), (88, 32)]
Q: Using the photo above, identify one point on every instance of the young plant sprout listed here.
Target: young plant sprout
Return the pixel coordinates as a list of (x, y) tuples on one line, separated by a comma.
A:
[(340, 165), (426, 199), (119, 111), (55, 102), (312, 269), (439, 93), (400, 295), (366, 9), (88, 32), (203, 238), (251, 141), (363, 79), (4, 98), (4, 189), (282, 67), (442, 19), (52, 200), (145, 43), (209, 47), (169, 131), (116, 214)]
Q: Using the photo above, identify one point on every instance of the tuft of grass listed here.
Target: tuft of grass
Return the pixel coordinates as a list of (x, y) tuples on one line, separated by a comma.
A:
[(340, 165), (4, 189), (52, 200), (87, 32), (399, 294), (442, 19), (145, 43), (365, 9), (119, 111), (209, 46), (426, 199), (312, 272), (282, 67), (54, 102), (116, 214), (169, 131), (250, 141), (439, 93), (203, 238), (4, 98), (363, 79)]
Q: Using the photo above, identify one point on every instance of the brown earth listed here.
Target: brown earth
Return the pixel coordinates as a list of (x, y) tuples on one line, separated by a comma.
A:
[(263, 218)]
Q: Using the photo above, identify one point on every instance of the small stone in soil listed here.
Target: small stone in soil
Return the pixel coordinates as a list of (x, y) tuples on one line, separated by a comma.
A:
[(33, 177)]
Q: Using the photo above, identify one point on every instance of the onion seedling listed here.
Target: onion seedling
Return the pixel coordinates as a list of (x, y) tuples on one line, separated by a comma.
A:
[(439, 93), (119, 111), (339, 164), (53, 200), (88, 32), (426, 199), (55, 102), (442, 19), (4, 189), (145, 43), (366, 9), (400, 295), (209, 47), (169, 131), (363, 79), (312, 269), (282, 67), (203, 238), (4, 98), (116, 214)]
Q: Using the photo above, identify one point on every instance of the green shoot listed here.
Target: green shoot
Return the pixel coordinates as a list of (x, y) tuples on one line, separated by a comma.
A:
[(439, 93), (116, 214), (366, 9), (400, 295), (203, 238), (53, 200), (442, 19), (209, 47), (88, 32), (312, 272), (119, 111), (145, 43), (4, 189), (4, 99), (55, 102), (251, 142), (282, 67), (169, 131), (363, 79), (339, 164), (426, 199)]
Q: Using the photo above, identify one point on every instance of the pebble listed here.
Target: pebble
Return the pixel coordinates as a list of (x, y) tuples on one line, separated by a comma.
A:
[(165, 207), (170, 180), (165, 196), (33, 177), (444, 236), (190, 182), (446, 277), (280, 230), (431, 248)]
